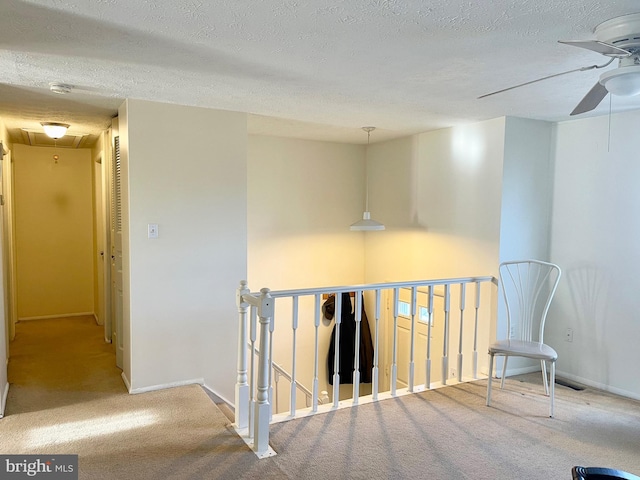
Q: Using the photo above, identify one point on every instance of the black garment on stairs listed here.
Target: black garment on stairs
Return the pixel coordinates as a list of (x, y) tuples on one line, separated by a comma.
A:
[(348, 342)]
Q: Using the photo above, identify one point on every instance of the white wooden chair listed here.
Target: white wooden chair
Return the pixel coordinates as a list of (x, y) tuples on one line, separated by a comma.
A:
[(528, 287)]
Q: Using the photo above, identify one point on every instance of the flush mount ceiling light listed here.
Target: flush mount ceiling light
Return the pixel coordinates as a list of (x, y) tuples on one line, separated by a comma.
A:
[(60, 88), (367, 223), (55, 130)]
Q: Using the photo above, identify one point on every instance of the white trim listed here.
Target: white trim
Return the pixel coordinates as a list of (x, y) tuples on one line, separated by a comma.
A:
[(152, 388), (3, 404), (598, 385), (126, 381), (520, 371), (225, 400), (61, 315), (244, 435)]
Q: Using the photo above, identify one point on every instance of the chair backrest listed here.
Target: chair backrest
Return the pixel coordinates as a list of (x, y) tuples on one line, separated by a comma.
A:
[(599, 473), (528, 287)]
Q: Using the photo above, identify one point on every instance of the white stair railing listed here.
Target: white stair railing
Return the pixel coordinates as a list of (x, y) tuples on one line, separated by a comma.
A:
[(279, 371), (254, 391)]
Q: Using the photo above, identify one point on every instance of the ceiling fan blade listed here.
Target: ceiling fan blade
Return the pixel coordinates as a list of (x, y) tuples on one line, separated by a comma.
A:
[(582, 69), (591, 100), (600, 47)]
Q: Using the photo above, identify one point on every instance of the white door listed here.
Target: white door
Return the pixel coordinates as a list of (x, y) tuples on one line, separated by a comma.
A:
[(419, 340), (116, 252), (100, 244), (4, 331), (8, 239), (105, 219)]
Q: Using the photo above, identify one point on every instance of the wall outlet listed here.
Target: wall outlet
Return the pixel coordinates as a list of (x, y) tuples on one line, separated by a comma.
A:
[(568, 335), (452, 373), (152, 230)]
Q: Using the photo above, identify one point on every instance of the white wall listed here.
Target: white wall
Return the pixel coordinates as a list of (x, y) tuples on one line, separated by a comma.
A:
[(439, 195), (454, 201), (4, 328), (595, 238), (302, 197), (54, 231), (186, 171), (525, 220)]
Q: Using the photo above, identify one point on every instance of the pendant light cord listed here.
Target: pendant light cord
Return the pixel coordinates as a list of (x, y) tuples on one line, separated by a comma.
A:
[(366, 173), (366, 168)]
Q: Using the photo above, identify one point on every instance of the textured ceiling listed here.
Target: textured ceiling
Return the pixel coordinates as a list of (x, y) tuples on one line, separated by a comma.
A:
[(310, 69)]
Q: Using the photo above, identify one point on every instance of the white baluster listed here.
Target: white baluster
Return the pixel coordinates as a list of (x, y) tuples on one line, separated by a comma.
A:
[(271, 327), (376, 335), (242, 385), (414, 301), (445, 346), (356, 359), (294, 326), (394, 357), (337, 316), (475, 333), (463, 287), (262, 407), (253, 379), (430, 320), (315, 354), (276, 402)]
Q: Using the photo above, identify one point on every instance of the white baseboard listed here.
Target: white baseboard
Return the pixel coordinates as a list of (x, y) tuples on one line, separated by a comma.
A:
[(514, 371), (521, 371), (598, 385), (61, 315), (151, 388), (126, 381), (3, 402), (95, 317), (221, 397)]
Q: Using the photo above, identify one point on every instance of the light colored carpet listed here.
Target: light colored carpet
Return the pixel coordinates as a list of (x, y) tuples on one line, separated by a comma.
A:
[(450, 433), (66, 396)]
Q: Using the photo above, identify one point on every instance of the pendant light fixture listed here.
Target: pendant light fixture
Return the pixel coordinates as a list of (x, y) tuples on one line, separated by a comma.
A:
[(367, 223)]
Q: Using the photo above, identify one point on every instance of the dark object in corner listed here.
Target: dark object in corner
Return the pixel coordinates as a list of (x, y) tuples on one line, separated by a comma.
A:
[(598, 473), (347, 342), (567, 383)]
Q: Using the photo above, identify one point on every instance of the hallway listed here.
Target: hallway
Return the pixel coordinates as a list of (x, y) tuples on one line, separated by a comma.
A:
[(60, 361), (66, 396)]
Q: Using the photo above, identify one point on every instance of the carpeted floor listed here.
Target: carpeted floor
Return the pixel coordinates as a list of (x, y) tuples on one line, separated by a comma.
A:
[(66, 396), (450, 433)]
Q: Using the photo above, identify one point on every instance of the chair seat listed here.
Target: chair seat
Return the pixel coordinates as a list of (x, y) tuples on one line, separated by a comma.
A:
[(536, 350)]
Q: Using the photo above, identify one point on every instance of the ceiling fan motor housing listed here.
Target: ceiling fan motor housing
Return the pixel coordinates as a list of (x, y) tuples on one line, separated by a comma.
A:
[(622, 32)]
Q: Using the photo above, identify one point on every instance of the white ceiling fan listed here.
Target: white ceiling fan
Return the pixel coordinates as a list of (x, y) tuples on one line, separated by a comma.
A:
[(618, 38)]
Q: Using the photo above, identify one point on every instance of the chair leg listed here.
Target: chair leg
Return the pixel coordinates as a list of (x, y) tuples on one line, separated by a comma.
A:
[(544, 376), (552, 385), (504, 371), (489, 379)]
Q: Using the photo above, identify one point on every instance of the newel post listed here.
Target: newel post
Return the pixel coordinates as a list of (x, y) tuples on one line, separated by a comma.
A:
[(262, 407), (242, 387)]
